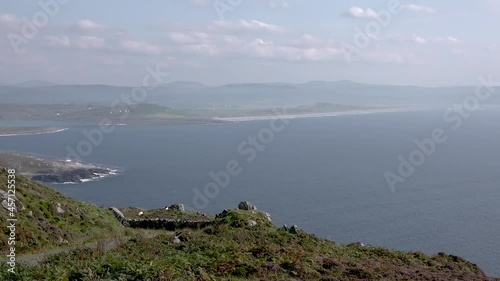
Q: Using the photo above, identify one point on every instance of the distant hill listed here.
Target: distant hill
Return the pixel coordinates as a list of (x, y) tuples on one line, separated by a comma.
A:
[(193, 95), (191, 84), (34, 83)]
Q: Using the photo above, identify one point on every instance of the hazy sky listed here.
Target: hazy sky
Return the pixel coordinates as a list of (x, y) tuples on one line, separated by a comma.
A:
[(111, 42)]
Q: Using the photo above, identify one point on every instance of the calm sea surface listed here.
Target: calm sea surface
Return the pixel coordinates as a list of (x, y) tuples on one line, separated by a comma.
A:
[(324, 174)]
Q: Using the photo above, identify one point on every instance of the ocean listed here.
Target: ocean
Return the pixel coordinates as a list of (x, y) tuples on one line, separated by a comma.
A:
[(325, 175)]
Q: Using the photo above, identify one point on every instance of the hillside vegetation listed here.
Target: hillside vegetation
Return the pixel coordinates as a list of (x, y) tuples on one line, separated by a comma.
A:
[(47, 219), (238, 245)]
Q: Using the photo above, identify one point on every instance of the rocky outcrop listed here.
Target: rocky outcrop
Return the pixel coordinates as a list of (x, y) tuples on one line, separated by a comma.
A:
[(294, 229), (176, 207), (247, 206), (75, 175), (59, 209), (4, 197)]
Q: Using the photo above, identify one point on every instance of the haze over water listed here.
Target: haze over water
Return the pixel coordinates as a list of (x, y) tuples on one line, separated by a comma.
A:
[(323, 174)]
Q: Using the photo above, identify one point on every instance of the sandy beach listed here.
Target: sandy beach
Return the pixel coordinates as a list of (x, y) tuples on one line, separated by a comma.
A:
[(315, 115), (10, 132)]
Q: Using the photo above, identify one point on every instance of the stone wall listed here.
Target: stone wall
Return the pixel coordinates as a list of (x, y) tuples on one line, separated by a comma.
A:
[(168, 224)]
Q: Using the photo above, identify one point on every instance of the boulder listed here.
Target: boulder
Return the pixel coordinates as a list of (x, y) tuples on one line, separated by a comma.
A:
[(59, 210), (247, 206), (251, 223), (4, 195), (294, 229), (268, 216), (176, 207)]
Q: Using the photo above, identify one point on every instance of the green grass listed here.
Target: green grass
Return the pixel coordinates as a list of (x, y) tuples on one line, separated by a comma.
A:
[(43, 230), (133, 213), (229, 249)]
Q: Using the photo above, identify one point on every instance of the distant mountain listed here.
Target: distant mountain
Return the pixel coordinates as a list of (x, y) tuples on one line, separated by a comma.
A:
[(34, 83), (260, 85), (193, 95), (179, 83)]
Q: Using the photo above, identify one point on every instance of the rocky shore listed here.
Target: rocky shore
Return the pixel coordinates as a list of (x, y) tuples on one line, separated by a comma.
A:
[(54, 171)]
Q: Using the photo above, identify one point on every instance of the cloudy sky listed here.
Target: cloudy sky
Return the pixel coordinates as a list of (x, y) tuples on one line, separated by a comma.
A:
[(431, 43)]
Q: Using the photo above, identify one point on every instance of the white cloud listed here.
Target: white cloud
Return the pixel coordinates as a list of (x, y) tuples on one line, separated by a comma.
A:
[(87, 26), (55, 41), (357, 12), (419, 9), (91, 43), (201, 49), (453, 39), (253, 25), (202, 2), (422, 40), (279, 5), (181, 38), (140, 47), (9, 22), (419, 40), (267, 49), (232, 40), (447, 40)]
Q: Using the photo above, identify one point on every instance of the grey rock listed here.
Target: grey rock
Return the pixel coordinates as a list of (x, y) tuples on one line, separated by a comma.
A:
[(5, 205), (268, 216), (251, 223), (118, 214), (4, 195), (30, 213), (294, 229), (247, 206), (176, 240), (176, 207)]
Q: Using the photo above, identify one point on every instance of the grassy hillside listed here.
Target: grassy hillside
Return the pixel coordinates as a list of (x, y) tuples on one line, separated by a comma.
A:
[(239, 245), (40, 226)]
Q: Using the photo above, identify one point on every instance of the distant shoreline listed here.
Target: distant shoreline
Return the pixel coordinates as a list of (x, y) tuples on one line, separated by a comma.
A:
[(312, 115), (12, 132)]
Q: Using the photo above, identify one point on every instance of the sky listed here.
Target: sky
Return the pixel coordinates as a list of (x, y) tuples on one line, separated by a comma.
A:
[(426, 43)]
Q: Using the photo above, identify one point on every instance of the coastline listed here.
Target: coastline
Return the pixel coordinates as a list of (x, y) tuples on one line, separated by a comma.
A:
[(53, 171), (4, 132), (314, 115)]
